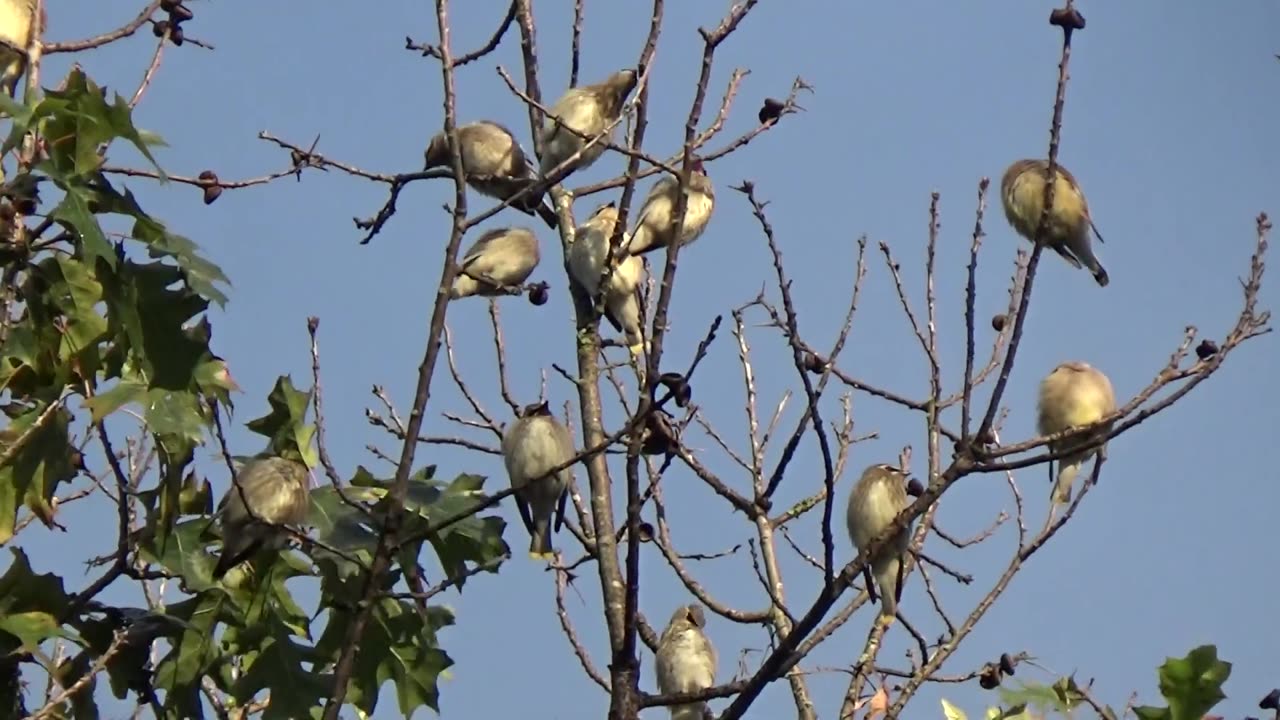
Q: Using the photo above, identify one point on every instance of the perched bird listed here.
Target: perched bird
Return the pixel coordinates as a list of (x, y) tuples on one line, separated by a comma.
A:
[(15, 35), (1074, 394), (501, 259), (587, 257), (588, 109), (877, 498), (495, 166), (1022, 190), (277, 492), (686, 660), (535, 443), (655, 226)]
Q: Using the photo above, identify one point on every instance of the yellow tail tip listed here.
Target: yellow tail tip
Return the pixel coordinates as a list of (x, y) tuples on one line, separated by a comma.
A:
[(542, 556)]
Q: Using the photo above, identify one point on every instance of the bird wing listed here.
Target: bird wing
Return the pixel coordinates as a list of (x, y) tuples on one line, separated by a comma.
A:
[(1095, 231), (1067, 255)]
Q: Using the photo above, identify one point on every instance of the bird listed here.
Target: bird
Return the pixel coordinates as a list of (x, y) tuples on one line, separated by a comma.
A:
[(498, 262), (534, 444), (15, 36), (589, 109), (686, 660), (1074, 394), (877, 498), (495, 165), (655, 225), (1067, 232), (277, 491), (587, 257)]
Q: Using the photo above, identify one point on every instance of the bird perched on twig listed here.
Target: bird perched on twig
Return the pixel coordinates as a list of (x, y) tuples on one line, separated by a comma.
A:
[(534, 444), (686, 660), (589, 109), (655, 225), (1072, 395), (877, 498), (15, 35), (268, 492), (497, 263), (587, 257), (495, 165), (1067, 232)]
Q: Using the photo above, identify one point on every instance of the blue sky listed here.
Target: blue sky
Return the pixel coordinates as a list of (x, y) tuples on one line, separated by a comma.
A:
[(1166, 127)]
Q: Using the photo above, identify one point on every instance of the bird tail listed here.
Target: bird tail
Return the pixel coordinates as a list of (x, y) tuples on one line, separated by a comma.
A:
[(1082, 255), (540, 547), (691, 711), (641, 240), (1068, 468), (232, 555), (548, 216), (464, 286), (886, 573)]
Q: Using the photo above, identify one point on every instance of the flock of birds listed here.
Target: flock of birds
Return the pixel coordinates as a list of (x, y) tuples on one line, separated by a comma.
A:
[(573, 137), (270, 491)]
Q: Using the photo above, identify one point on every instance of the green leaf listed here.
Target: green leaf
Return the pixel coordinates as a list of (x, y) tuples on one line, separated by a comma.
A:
[(1147, 712), (38, 466), (285, 425), (28, 604), (472, 540), (1193, 685), (76, 212), (87, 123), (191, 655), (114, 398), (399, 646)]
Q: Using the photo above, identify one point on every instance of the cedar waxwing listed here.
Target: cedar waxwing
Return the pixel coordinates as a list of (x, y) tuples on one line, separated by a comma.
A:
[(501, 259), (495, 165), (1022, 190), (588, 109), (655, 226), (535, 443), (15, 35), (587, 256), (686, 660), (278, 492), (877, 498), (1074, 394)]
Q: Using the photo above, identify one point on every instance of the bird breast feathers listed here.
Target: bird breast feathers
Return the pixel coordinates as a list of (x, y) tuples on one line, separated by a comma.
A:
[(273, 493), (577, 110), (500, 256), (15, 23), (534, 446), (659, 209), (1069, 206), (880, 503), (691, 661), (1078, 404)]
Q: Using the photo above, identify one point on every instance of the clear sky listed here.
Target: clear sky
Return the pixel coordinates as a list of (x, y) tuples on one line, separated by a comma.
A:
[(1168, 126)]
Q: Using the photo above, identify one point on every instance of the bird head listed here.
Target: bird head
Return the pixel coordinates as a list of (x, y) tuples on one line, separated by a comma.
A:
[(540, 409)]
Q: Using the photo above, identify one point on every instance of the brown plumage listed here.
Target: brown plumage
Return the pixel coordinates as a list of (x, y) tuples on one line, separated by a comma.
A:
[(500, 260), (1068, 230), (278, 493), (686, 660), (495, 165), (534, 444), (877, 498), (1072, 395), (589, 109), (655, 224), (587, 256)]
